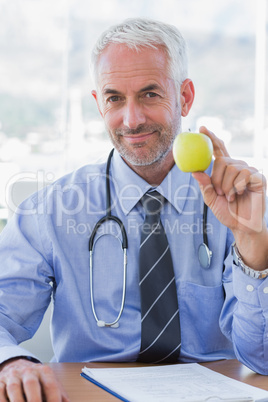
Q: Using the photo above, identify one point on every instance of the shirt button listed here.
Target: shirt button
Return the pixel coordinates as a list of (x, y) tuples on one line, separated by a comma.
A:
[(250, 288), (265, 290)]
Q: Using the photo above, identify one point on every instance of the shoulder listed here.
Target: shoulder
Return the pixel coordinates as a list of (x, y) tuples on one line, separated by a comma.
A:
[(72, 184)]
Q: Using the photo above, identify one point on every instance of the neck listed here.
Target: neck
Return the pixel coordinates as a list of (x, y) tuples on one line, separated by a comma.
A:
[(155, 173)]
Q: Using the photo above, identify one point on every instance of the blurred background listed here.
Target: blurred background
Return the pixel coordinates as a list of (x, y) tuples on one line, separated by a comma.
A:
[(49, 123)]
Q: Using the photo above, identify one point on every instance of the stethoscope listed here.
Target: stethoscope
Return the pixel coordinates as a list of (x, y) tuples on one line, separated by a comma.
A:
[(204, 253)]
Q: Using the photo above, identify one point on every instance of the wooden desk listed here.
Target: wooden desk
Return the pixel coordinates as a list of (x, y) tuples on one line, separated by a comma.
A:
[(81, 390)]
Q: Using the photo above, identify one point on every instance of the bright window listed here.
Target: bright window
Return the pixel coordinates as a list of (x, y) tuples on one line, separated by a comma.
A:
[(49, 123)]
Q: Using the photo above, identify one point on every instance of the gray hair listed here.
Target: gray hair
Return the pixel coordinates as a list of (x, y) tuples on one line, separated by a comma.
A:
[(137, 33)]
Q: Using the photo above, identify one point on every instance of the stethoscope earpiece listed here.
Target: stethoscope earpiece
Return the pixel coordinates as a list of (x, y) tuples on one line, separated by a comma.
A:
[(102, 324)]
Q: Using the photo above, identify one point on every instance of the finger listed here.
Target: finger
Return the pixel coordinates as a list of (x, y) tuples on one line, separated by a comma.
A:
[(219, 148), (65, 397), (3, 395), (207, 189), (52, 390), (31, 386), (14, 389), (232, 177), (217, 175), (242, 181), (257, 181)]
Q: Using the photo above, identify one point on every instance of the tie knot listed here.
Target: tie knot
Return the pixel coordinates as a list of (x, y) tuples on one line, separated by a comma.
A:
[(152, 202)]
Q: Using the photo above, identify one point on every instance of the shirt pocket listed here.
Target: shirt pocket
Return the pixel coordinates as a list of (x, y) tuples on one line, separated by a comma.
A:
[(200, 308)]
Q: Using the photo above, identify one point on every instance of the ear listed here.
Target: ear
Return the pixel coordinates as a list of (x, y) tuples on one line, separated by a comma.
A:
[(95, 95), (187, 96)]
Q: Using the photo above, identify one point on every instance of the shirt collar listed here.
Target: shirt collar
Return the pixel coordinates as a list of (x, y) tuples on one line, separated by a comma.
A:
[(130, 187)]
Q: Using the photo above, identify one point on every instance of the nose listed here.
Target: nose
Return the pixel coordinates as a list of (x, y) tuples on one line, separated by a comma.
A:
[(133, 115)]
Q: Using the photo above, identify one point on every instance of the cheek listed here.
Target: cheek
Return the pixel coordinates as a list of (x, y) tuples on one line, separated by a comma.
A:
[(164, 112), (112, 118)]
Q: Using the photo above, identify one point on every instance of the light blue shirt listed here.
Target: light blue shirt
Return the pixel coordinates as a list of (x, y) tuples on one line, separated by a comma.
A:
[(44, 252)]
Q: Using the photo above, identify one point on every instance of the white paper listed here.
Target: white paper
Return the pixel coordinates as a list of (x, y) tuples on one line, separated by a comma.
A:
[(180, 382)]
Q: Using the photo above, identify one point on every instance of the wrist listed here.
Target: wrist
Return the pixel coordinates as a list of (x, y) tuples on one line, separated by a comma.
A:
[(238, 261), (16, 359), (253, 249)]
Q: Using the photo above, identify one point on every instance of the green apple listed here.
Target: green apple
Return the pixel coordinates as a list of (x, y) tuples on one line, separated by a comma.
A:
[(192, 151)]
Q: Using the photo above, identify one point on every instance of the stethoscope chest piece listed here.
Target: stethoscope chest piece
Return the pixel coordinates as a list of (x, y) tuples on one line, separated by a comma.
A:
[(204, 255)]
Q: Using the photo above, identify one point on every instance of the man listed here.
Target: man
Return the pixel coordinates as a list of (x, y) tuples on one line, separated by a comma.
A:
[(142, 90)]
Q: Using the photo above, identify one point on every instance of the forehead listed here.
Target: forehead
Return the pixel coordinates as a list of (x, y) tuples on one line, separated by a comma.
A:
[(118, 63)]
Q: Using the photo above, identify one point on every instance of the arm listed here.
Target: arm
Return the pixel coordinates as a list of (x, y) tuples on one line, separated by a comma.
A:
[(25, 292), (25, 289), (235, 193)]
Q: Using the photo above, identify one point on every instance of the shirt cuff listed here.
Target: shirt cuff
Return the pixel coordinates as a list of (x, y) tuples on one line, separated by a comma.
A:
[(9, 352), (250, 290)]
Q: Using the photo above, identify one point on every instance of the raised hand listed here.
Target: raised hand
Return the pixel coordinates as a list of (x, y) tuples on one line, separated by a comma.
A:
[(235, 193)]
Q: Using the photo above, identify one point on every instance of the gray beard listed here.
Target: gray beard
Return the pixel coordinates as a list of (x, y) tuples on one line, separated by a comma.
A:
[(154, 155)]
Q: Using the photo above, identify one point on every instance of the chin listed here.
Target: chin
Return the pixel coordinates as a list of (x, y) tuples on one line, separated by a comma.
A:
[(143, 158)]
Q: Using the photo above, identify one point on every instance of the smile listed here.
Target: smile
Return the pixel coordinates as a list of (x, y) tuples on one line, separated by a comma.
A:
[(138, 137)]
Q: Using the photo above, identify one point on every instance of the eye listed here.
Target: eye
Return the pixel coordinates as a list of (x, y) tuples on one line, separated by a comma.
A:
[(151, 95), (113, 99)]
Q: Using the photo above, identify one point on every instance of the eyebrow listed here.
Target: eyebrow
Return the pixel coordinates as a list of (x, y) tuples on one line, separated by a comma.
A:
[(150, 87), (111, 91)]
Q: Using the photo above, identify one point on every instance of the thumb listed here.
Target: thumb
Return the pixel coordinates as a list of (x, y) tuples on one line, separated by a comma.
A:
[(206, 187)]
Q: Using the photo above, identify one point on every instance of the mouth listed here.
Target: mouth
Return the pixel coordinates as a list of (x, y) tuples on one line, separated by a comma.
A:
[(137, 138)]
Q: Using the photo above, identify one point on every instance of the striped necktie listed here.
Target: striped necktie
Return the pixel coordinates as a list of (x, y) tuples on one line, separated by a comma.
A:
[(160, 325)]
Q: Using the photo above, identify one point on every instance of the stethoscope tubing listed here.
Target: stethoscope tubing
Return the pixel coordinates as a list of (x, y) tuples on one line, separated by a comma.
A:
[(101, 323), (204, 253), (108, 217)]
